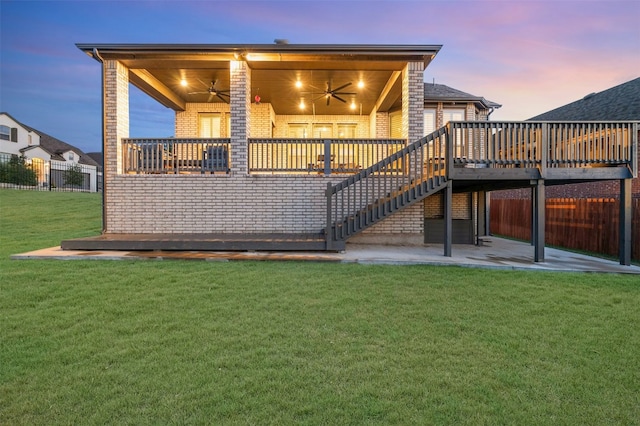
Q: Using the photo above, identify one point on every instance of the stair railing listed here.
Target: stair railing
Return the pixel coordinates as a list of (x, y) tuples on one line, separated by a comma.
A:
[(399, 180)]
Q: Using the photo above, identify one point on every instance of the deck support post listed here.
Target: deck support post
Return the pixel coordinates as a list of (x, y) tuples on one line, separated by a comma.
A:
[(448, 218), (533, 215), (328, 233), (625, 222), (539, 221), (482, 215)]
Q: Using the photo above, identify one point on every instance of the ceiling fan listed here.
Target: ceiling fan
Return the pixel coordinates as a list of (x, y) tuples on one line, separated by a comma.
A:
[(335, 93), (223, 95)]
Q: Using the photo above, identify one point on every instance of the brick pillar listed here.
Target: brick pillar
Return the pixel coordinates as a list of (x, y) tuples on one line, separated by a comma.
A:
[(240, 116), (116, 116), (115, 127), (413, 101)]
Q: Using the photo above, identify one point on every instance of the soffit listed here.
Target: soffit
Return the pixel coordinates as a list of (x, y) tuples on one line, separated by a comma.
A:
[(275, 69)]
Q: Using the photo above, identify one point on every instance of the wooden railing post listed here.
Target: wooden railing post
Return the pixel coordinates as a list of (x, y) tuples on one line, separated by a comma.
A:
[(546, 144), (449, 150), (327, 156), (634, 149)]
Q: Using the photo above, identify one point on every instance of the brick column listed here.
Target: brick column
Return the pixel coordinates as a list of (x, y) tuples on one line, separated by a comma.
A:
[(413, 105), (413, 101), (115, 104), (116, 116), (240, 116)]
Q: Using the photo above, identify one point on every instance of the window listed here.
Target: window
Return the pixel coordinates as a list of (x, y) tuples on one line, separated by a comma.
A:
[(395, 125), (5, 133), (297, 131), (209, 125), (429, 121), (453, 115), (346, 131), (323, 130), (71, 156)]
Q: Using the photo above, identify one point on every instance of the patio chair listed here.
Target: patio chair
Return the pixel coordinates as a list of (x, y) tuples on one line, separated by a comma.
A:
[(216, 159)]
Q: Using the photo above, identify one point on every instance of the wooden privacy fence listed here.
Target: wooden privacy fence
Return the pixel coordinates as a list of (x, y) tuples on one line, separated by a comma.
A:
[(589, 224)]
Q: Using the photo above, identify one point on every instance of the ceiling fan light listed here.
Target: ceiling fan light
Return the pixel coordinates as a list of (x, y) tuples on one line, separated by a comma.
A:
[(360, 84)]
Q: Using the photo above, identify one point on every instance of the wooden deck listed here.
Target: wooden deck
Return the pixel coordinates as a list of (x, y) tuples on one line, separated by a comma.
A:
[(202, 242)]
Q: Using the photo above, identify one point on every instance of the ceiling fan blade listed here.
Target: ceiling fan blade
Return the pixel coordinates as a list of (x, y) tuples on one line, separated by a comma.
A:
[(221, 98), (210, 97), (344, 93), (341, 87), (198, 93), (339, 98), (328, 99)]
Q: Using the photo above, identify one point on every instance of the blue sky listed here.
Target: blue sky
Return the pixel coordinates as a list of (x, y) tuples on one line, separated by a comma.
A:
[(531, 56)]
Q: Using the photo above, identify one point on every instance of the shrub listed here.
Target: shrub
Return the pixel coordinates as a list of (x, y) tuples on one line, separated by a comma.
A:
[(73, 176)]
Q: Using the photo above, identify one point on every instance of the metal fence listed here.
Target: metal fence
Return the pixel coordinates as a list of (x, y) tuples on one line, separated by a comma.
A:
[(37, 174)]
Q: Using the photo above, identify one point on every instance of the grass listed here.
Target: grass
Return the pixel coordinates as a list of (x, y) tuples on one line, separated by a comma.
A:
[(174, 342)]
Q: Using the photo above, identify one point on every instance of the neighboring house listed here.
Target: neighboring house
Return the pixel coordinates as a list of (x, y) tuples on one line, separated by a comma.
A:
[(38, 148), (294, 147)]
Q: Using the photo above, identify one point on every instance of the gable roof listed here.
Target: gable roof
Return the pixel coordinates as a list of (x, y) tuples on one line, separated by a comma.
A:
[(620, 103), (97, 157), (442, 93), (55, 146)]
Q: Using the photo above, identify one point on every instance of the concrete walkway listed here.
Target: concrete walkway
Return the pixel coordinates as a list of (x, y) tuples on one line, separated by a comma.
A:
[(494, 253)]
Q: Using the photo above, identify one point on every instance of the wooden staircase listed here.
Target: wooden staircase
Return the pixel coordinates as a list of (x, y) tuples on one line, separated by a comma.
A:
[(393, 184)]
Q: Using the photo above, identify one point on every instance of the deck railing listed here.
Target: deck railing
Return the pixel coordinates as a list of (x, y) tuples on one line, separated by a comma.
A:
[(361, 200), (324, 156), (544, 144), (176, 155)]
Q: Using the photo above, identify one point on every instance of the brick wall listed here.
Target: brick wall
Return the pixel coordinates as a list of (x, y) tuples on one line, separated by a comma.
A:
[(228, 204), (461, 203)]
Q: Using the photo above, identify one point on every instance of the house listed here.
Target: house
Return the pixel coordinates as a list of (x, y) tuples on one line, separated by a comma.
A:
[(303, 147), (49, 156)]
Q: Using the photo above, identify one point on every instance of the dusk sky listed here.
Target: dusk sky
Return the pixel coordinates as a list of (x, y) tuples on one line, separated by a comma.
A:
[(528, 55)]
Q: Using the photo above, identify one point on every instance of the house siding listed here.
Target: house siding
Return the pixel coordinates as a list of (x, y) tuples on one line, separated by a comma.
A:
[(230, 204)]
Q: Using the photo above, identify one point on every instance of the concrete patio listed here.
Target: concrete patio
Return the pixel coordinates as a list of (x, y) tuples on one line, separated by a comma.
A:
[(494, 253)]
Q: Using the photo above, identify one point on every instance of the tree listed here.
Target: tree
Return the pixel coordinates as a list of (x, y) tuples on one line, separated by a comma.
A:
[(73, 176), (18, 172)]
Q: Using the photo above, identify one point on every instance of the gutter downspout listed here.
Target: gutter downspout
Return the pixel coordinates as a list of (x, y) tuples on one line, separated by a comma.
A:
[(97, 57)]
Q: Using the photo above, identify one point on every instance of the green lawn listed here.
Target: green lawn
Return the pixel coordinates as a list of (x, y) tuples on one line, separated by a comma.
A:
[(175, 342)]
